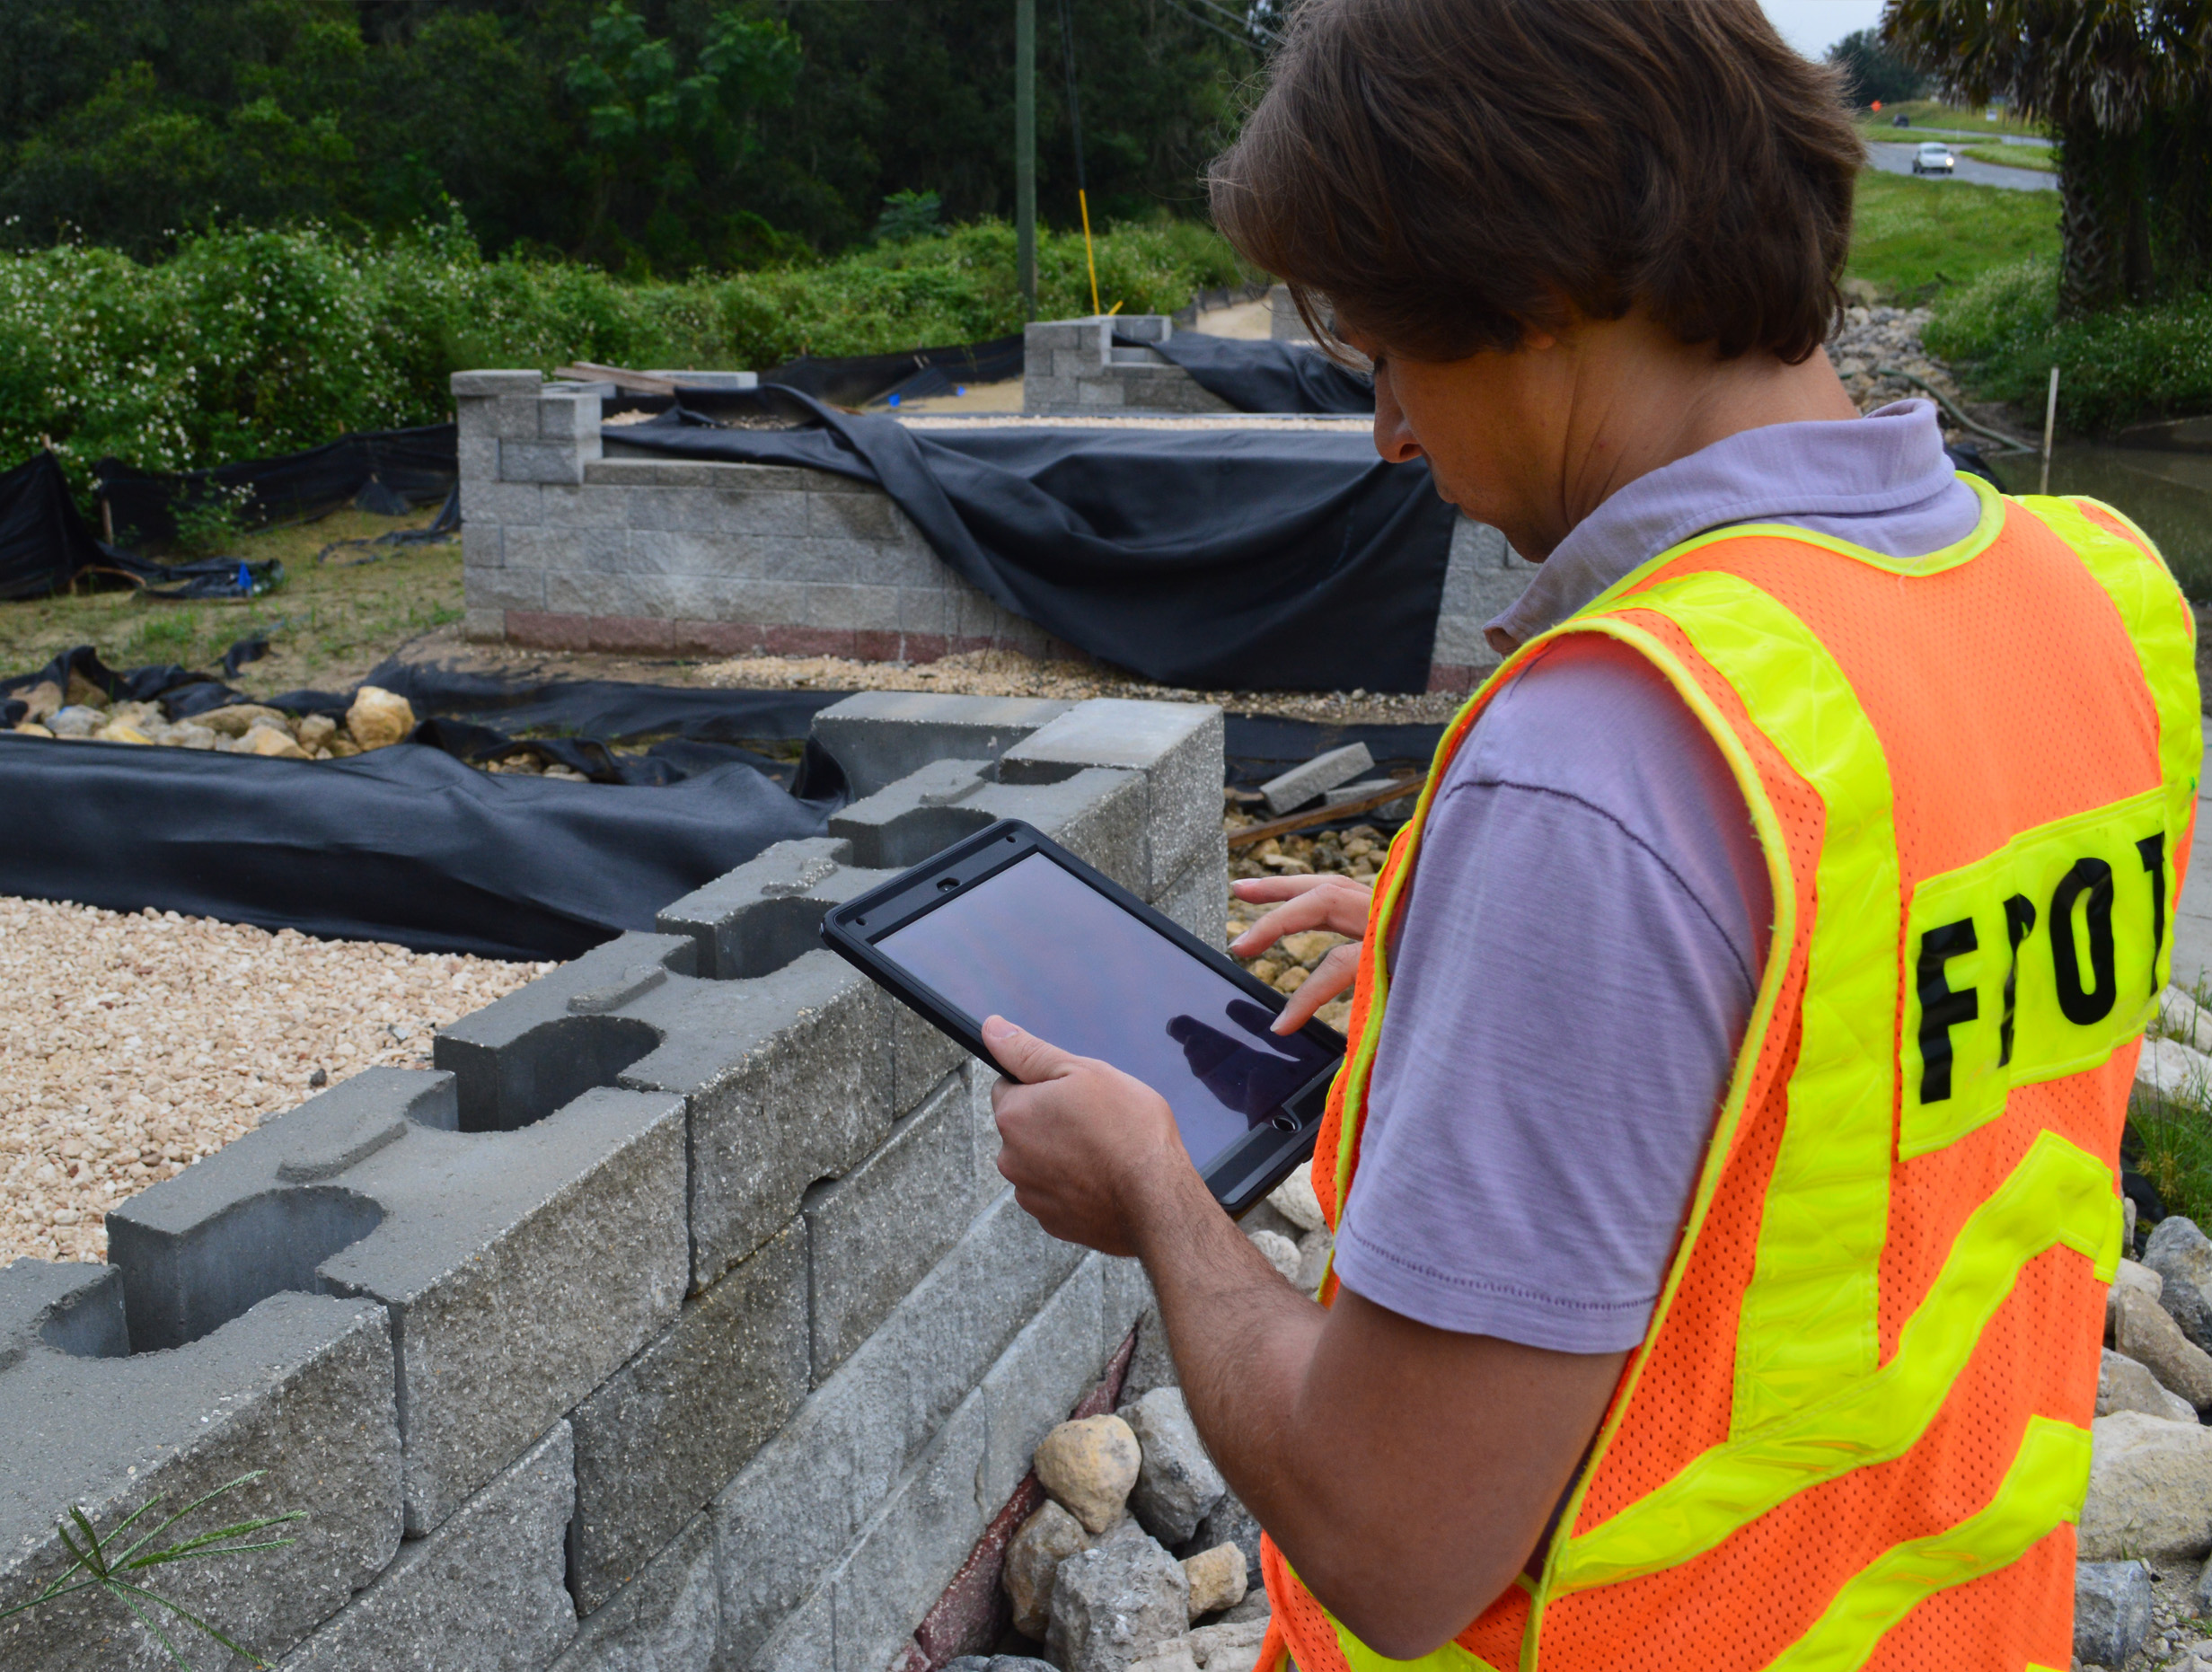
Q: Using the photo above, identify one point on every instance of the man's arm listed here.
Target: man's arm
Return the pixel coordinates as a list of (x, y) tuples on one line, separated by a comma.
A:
[(1406, 1472)]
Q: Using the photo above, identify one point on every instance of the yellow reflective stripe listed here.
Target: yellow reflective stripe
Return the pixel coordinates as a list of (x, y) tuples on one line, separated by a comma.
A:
[(1808, 1319), (1986, 939), (2059, 1194), (2049, 1478)]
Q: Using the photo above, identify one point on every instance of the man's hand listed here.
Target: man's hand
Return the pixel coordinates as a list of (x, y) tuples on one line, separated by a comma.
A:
[(1332, 903), (1088, 1149)]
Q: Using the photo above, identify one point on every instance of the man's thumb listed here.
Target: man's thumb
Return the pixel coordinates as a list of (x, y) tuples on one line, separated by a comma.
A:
[(1025, 1056)]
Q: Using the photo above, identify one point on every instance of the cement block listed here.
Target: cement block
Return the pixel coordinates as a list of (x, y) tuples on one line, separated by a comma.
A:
[(507, 502), (520, 1267), (863, 609), (1097, 813), (912, 1546), (872, 1234), (1038, 1378), (568, 417), (477, 458), (483, 1592), (921, 814), (1178, 746), (856, 516), (921, 1057), (664, 1433), (711, 380), (805, 1641), (756, 918), (1302, 784), (502, 588), (664, 1620), (481, 545), (1199, 898), (879, 736), (787, 1080), (544, 461), (574, 506), (301, 1385), (795, 1508), (981, 1077), (468, 385)]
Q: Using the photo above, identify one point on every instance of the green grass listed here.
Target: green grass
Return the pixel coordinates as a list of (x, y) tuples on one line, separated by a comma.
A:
[(1929, 113), (2033, 157), (2171, 1136), (1914, 240)]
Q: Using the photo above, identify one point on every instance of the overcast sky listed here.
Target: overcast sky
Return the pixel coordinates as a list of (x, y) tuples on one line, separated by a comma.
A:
[(1813, 26)]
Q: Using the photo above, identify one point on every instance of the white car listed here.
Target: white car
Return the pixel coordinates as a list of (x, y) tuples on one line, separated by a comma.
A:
[(1933, 158)]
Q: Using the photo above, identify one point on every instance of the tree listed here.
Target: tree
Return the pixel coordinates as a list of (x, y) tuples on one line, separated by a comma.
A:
[(2126, 88), (1875, 73)]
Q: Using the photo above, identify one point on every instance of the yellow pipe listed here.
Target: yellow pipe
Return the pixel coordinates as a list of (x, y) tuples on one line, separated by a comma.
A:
[(1089, 260)]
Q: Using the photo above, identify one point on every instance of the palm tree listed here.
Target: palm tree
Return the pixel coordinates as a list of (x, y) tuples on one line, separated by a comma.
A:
[(2124, 86)]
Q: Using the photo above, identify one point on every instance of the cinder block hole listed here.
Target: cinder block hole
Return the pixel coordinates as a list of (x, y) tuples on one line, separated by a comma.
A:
[(768, 936), (179, 1286), (89, 1324), (912, 837), (547, 1069)]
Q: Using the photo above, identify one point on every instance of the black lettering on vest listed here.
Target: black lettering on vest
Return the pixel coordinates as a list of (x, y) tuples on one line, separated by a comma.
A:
[(2153, 851), (1941, 1008), (2084, 1007), (2019, 923)]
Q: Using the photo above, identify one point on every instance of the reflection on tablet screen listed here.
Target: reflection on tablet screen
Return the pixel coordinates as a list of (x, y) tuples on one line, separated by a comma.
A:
[(1039, 946)]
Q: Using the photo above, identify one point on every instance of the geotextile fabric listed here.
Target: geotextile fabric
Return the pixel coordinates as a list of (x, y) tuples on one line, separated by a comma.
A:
[(411, 467), (1253, 559), (1262, 375)]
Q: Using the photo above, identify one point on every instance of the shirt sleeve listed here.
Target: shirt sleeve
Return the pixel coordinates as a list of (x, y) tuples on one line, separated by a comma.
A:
[(1573, 976)]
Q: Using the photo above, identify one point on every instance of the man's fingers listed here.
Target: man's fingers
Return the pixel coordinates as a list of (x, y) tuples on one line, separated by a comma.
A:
[(1333, 975), (1025, 1056), (1261, 888), (1341, 906)]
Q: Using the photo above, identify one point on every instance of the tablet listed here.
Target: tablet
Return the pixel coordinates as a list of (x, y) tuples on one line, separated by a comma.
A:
[(1009, 923)]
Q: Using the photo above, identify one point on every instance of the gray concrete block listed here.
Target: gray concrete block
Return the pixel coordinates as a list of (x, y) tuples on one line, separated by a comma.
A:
[(872, 1234), (520, 1266), (863, 609), (301, 1385), (1199, 898), (1098, 815), (509, 502), (879, 736), (664, 1433), (805, 1641), (794, 1509), (510, 417), (483, 625), (1125, 1296), (545, 547), (575, 504), (481, 545), (614, 470), (711, 380), (483, 1592), (756, 918), (921, 814), (921, 1057), (787, 1080), (1178, 746), (1038, 1378), (856, 516), (980, 1078), (1302, 784), (466, 385), (543, 461), (568, 417), (927, 610), (665, 1620), (503, 589), (477, 459), (912, 1546)]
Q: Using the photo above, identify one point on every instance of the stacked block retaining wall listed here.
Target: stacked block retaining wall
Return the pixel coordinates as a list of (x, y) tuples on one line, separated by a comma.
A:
[(568, 545), (677, 1317)]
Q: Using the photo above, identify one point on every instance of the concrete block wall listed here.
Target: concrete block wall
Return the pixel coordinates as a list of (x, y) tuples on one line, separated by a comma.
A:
[(570, 545), (1074, 367), (1284, 324), (677, 1317)]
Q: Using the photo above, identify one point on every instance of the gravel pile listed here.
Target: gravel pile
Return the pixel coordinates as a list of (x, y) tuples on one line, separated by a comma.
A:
[(1010, 673), (132, 1045), (1880, 337)]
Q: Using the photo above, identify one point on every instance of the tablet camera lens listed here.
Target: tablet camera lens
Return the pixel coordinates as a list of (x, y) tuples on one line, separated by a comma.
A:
[(1285, 1124), (945, 884)]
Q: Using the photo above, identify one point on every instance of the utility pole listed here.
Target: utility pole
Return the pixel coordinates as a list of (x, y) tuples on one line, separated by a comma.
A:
[(1026, 152)]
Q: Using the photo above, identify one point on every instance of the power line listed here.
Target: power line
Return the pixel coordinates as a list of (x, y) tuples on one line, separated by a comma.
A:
[(1206, 22), (1244, 21)]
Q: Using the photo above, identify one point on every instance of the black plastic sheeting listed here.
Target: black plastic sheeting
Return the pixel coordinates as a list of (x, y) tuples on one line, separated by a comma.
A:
[(44, 544), (1268, 560), (1257, 375), (855, 380), (403, 844), (407, 467)]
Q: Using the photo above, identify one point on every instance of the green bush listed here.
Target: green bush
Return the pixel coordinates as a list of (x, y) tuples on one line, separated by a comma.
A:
[(250, 343), (2002, 334)]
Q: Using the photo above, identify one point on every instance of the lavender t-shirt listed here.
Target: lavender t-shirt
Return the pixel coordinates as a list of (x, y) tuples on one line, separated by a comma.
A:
[(1587, 924)]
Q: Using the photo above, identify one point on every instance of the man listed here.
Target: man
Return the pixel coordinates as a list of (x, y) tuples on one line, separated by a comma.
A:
[(1724, 1171)]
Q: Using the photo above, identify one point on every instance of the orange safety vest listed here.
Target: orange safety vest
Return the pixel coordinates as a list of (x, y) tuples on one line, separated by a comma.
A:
[(1856, 1431)]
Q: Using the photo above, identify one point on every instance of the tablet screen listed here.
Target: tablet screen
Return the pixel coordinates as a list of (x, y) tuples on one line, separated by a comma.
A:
[(1039, 946)]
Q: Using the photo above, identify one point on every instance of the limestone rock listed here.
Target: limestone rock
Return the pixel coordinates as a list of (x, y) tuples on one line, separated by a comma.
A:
[(1229, 1522), (1294, 1199), (1216, 1578), (2194, 1657), (315, 731), (120, 731), (1229, 1648), (189, 735), (2123, 1385), (239, 718), (1150, 1364), (2111, 1610), (998, 1663), (1177, 1482), (1174, 1657), (2181, 1256), (76, 720), (2168, 1068), (2133, 1276), (1088, 1468), (2181, 1018), (32, 728), (1255, 1606), (1123, 1599), (1314, 1249), (378, 719), (266, 740), (2146, 1333), (1033, 1559), (2150, 1489), (1279, 1251)]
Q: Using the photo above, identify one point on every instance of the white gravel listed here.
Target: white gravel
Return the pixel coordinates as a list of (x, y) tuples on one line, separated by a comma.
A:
[(133, 1044)]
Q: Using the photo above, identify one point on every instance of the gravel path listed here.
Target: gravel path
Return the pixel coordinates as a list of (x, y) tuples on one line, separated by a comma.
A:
[(134, 1044)]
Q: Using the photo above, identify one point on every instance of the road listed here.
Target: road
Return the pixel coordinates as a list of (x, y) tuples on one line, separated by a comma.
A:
[(1897, 159)]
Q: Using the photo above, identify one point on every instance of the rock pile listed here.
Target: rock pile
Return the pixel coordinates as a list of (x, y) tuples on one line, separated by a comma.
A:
[(1357, 853), (1871, 337), (2141, 1592), (376, 720)]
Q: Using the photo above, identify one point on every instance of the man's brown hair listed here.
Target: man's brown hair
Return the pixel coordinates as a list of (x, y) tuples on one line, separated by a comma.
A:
[(1448, 173)]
